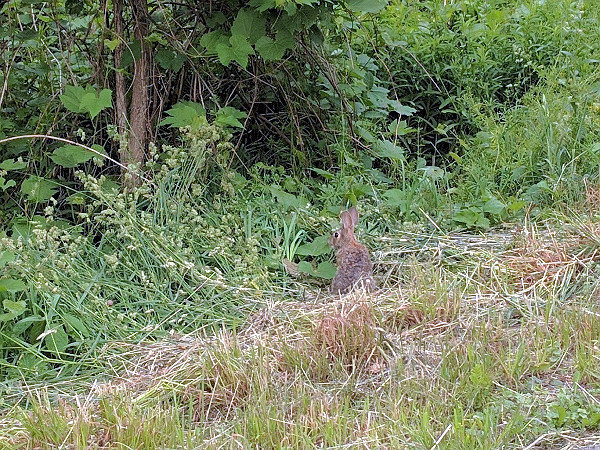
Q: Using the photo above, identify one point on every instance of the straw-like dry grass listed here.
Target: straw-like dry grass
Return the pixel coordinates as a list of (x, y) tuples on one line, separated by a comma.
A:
[(487, 341)]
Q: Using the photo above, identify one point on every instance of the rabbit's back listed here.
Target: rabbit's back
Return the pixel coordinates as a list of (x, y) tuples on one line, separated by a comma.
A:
[(353, 266)]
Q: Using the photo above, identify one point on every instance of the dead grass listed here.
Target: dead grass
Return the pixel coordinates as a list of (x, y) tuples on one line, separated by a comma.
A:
[(495, 327)]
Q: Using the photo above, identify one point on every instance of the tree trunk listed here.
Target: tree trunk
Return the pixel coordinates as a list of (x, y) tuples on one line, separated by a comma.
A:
[(120, 99), (133, 152)]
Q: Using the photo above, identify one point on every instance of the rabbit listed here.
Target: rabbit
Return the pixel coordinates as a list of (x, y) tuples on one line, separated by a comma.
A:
[(352, 258)]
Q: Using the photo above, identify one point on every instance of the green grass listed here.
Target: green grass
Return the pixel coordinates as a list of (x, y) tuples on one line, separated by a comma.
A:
[(476, 341)]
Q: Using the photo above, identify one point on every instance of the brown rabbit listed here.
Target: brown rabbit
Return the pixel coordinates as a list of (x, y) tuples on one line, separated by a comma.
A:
[(352, 258)]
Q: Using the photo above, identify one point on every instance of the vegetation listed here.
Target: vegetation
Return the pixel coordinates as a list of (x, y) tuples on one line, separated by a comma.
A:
[(159, 161)]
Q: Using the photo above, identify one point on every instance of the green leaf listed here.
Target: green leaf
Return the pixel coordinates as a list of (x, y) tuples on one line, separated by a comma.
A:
[(396, 197), (6, 257), (287, 200), (71, 155), (494, 206), (249, 25), (13, 164), (38, 189), (273, 50), (76, 324), (325, 270), (79, 100), (387, 149), (169, 59), (131, 53), (217, 18), (306, 267), (229, 116), (400, 128), (4, 185), (112, 44), (263, 5), (71, 99), (210, 41), (183, 114), (57, 341), (317, 247), (11, 285), (14, 309), (238, 51), (366, 6), (93, 103), (325, 174)]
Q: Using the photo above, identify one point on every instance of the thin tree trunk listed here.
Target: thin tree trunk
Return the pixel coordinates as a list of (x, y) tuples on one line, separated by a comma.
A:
[(140, 99), (120, 99)]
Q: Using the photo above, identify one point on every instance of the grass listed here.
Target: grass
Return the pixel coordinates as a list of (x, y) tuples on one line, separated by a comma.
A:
[(475, 341)]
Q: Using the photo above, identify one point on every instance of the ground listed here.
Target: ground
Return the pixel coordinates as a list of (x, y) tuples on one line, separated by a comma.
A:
[(474, 341)]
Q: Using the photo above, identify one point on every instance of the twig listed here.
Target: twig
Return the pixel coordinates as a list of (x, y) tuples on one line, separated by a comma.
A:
[(45, 136)]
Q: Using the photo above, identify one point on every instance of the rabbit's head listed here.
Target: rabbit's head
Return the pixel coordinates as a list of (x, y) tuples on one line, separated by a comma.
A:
[(345, 236)]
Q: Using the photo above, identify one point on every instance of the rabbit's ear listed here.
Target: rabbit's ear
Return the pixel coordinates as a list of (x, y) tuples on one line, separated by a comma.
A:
[(354, 215), (348, 221)]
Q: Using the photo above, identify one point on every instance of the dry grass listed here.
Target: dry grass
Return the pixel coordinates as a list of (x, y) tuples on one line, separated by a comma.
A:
[(476, 342)]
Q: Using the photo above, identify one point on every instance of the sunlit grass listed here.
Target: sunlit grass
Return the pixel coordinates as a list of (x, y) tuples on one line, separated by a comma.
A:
[(475, 343)]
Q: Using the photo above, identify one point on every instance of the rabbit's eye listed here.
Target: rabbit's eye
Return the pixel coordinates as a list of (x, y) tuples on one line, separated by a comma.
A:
[(336, 234)]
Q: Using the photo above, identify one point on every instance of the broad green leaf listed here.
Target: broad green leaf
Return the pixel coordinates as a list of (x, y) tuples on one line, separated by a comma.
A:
[(433, 172), (112, 44), (38, 189), (516, 205), (229, 116), (183, 114), (395, 197), (323, 173), (93, 103), (306, 267), (217, 18), (287, 200), (4, 185), (400, 128), (366, 6), (273, 50), (325, 270), (6, 257), (169, 59), (76, 199), (263, 5), (57, 341), (317, 247), (14, 309), (76, 324), (248, 24), (25, 323), (387, 149), (401, 109), (238, 50), (80, 100), (472, 217), (11, 285), (211, 40), (71, 99), (494, 206), (13, 164), (71, 155), (132, 52)]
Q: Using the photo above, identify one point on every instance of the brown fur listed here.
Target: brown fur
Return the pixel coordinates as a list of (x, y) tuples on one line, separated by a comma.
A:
[(352, 258)]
